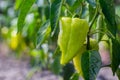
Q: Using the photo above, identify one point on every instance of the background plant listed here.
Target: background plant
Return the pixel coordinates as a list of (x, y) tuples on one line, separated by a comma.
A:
[(38, 26)]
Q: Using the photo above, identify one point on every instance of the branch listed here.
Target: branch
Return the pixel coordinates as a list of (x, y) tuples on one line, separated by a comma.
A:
[(93, 20), (108, 65)]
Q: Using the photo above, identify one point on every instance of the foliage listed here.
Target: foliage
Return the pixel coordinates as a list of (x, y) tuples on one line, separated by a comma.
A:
[(38, 29)]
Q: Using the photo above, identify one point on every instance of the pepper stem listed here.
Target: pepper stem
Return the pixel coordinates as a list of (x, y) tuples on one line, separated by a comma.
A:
[(90, 26)]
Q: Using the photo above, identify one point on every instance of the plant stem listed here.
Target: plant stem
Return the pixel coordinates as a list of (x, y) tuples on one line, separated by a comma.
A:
[(67, 7), (90, 26), (97, 31), (108, 33), (93, 20)]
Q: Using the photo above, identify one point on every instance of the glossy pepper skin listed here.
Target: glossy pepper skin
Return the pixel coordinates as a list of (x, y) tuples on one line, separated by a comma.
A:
[(77, 60), (73, 32)]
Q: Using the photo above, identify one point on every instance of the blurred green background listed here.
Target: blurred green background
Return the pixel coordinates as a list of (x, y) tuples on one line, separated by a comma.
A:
[(24, 45)]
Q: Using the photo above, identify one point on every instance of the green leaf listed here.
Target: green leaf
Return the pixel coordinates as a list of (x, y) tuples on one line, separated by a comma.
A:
[(117, 10), (18, 3), (71, 2), (47, 12), (76, 6), (118, 73), (26, 5), (43, 33), (117, 18), (115, 55), (56, 66), (91, 12), (92, 2), (55, 14), (56, 52), (100, 26), (108, 10), (91, 64), (68, 70), (84, 12), (75, 76)]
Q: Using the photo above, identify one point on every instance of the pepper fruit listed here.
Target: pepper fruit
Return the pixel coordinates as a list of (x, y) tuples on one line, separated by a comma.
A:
[(73, 32), (77, 58), (104, 43)]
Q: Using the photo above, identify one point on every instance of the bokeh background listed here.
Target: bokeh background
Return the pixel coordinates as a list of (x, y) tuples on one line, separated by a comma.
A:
[(19, 58)]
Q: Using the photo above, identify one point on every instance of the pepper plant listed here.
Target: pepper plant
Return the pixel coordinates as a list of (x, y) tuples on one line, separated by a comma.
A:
[(75, 28)]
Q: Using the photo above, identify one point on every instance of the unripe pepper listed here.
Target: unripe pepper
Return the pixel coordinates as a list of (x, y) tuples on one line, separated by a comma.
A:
[(77, 59), (73, 32), (104, 43)]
